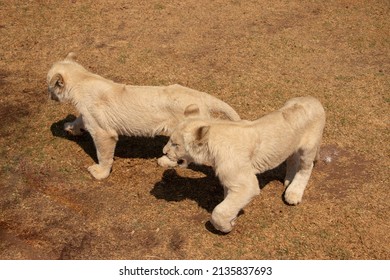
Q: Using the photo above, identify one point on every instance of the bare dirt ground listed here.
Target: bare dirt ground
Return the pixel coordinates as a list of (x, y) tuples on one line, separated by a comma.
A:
[(252, 54)]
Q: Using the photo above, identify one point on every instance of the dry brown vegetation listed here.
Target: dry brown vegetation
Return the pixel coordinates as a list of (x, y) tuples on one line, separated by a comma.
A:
[(252, 54)]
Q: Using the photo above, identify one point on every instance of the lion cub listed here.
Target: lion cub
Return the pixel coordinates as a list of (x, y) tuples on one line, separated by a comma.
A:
[(239, 150), (108, 109)]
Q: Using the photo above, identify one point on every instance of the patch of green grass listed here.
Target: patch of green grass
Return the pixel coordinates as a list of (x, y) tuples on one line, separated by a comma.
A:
[(159, 6), (64, 169), (122, 58), (218, 245), (282, 253), (324, 234), (344, 78), (337, 253)]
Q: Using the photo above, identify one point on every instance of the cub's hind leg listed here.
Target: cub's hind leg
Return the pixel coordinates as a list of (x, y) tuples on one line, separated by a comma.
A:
[(292, 165), (105, 147), (294, 192), (76, 127)]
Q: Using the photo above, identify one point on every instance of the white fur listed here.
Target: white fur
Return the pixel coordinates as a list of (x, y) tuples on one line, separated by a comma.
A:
[(239, 150), (108, 109)]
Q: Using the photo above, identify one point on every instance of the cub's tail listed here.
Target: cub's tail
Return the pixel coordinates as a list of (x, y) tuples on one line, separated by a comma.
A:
[(216, 105)]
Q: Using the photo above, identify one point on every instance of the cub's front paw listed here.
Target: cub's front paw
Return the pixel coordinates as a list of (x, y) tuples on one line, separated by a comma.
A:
[(164, 161), (292, 197), (221, 222), (72, 129), (99, 172)]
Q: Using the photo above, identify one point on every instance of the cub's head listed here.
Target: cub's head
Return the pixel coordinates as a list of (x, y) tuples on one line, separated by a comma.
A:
[(58, 77), (188, 143)]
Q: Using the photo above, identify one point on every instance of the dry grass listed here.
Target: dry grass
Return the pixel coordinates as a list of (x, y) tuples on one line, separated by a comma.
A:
[(252, 54)]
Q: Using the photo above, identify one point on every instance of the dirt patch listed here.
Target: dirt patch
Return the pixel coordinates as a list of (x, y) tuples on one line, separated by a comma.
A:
[(9, 114), (341, 171)]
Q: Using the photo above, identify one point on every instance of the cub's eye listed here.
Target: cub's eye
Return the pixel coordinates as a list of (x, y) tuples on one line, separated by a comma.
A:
[(175, 145)]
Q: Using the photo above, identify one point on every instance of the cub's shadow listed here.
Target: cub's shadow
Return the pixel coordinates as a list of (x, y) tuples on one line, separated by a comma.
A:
[(127, 147), (207, 191)]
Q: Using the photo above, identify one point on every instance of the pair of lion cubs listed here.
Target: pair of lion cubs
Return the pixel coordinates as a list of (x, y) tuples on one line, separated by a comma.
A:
[(237, 149)]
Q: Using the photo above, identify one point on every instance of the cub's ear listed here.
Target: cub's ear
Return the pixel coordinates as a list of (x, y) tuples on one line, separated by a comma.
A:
[(57, 81), (202, 135), (191, 111), (71, 56)]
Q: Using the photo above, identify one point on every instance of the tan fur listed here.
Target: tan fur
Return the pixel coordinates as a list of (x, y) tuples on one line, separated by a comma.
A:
[(108, 109), (239, 150)]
